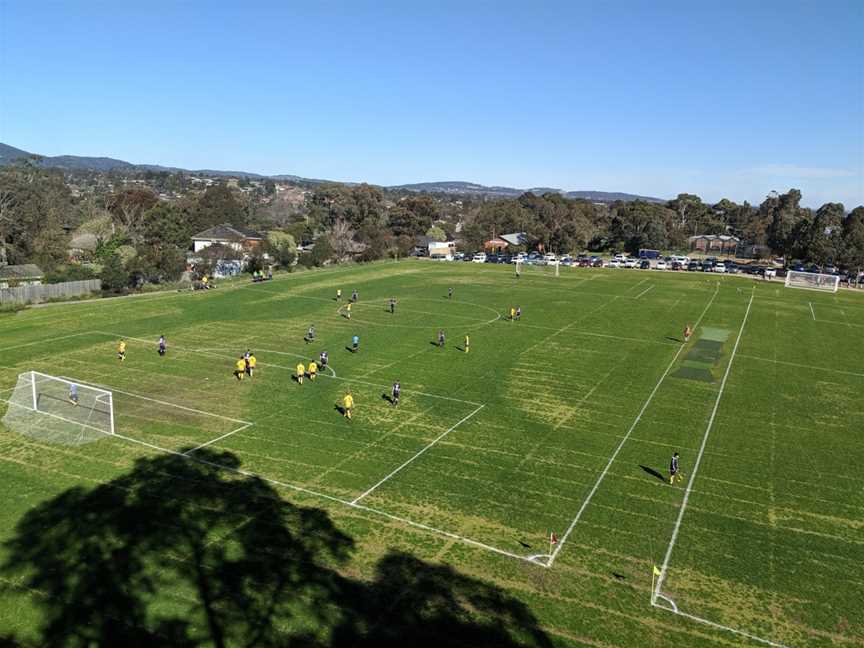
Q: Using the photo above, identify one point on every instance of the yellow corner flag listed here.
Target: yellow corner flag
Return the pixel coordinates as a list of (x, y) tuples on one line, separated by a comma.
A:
[(656, 571)]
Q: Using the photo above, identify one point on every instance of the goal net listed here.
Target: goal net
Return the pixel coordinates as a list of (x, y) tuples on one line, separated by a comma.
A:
[(812, 280), (59, 410)]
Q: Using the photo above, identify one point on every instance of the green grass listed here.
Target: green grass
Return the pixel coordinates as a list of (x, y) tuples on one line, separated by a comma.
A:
[(522, 430)]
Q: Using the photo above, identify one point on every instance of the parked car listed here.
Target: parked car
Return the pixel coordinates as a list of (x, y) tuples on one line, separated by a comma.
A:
[(719, 267), (694, 266), (630, 262), (480, 257), (676, 265), (458, 256), (661, 264), (644, 264), (596, 262), (584, 263), (732, 268), (615, 263)]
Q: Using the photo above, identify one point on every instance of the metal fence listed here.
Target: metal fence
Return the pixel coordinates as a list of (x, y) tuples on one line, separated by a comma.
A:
[(45, 292)]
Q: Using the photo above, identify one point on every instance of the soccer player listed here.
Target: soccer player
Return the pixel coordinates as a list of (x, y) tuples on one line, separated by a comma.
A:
[(162, 345), (441, 338), (512, 314), (467, 345), (240, 368), (392, 305), (673, 468), (348, 310), (251, 361), (121, 350), (310, 334), (687, 333), (355, 343), (338, 294), (518, 313), (347, 405), (394, 393), (313, 370), (354, 296), (323, 359), (301, 371), (450, 293), (73, 394)]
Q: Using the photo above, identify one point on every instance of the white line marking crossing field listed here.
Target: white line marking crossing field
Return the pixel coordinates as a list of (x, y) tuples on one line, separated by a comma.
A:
[(811, 311), (432, 443), (644, 291), (624, 440)]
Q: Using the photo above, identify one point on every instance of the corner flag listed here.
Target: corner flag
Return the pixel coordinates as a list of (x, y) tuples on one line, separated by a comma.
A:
[(553, 539), (656, 571)]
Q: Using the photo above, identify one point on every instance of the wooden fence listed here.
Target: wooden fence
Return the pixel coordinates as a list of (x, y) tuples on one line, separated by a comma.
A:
[(44, 292)]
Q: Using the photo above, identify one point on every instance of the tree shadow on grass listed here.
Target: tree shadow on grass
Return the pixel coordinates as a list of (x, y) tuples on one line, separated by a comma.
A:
[(191, 552)]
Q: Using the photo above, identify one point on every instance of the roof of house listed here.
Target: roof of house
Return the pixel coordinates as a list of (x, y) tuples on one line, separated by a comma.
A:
[(715, 237), (25, 271), (227, 232), (85, 241), (517, 238), (496, 242)]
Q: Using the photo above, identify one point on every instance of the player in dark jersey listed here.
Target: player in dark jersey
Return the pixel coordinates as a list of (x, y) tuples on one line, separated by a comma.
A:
[(323, 360), (392, 305), (162, 345), (673, 468), (397, 390), (441, 338)]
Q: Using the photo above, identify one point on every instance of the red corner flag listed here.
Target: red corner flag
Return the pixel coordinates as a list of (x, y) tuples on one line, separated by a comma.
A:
[(553, 539)]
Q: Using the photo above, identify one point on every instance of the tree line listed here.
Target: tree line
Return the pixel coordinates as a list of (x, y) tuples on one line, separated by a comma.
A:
[(141, 238)]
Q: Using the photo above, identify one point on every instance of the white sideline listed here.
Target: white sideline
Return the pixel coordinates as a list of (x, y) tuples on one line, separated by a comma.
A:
[(811, 311), (53, 339), (429, 445), (713, 624), (331, 498), (644, 291), (668, 556), (602, 476)]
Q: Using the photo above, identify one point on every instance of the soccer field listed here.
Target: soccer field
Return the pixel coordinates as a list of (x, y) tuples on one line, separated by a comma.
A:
[(562, 422)]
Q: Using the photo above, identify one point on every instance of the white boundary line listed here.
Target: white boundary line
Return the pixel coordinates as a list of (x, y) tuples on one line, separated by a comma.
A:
[(644, 291), (802, 366), (602, 476), (664, 569), (429, 445), (713, 624), (811, 311)]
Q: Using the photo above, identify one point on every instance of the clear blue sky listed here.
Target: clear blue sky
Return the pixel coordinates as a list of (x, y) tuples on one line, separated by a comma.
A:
[(722, 99)]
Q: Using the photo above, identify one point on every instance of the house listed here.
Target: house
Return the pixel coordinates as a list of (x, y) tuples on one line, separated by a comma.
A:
[(720, 243), (496, 245), (516, 239), (27, 274), (82, 246), (238, 238)]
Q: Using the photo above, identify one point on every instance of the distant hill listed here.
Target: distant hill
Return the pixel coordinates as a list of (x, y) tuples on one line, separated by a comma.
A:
[(472, 189), (10, 154)]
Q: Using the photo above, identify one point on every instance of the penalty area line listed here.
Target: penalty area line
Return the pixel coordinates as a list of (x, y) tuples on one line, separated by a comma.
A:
[(626, 437), (219, 438), (424, 449), (331, 498)]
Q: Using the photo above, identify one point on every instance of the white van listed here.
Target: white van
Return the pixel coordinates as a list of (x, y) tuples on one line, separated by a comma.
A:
[(550, 259), (480, 257)]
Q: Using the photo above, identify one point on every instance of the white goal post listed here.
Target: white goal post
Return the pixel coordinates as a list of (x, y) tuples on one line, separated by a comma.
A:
[(58, 409), (812, 281)]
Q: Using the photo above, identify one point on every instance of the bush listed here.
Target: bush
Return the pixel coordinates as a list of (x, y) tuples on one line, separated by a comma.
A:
[(115, 279), (70, 273)]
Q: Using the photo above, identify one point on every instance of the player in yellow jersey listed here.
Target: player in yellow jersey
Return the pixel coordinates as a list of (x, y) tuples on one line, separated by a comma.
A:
[(251, 361), (301, 371), (467, 345), (348, 310), (512, 314), (313, 370), (121, 350), (347, 405), (240, 368), (338, 294)]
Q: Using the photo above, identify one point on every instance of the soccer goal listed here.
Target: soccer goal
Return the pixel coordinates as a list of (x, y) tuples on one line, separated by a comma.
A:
[(59, 410), (812, 281)]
